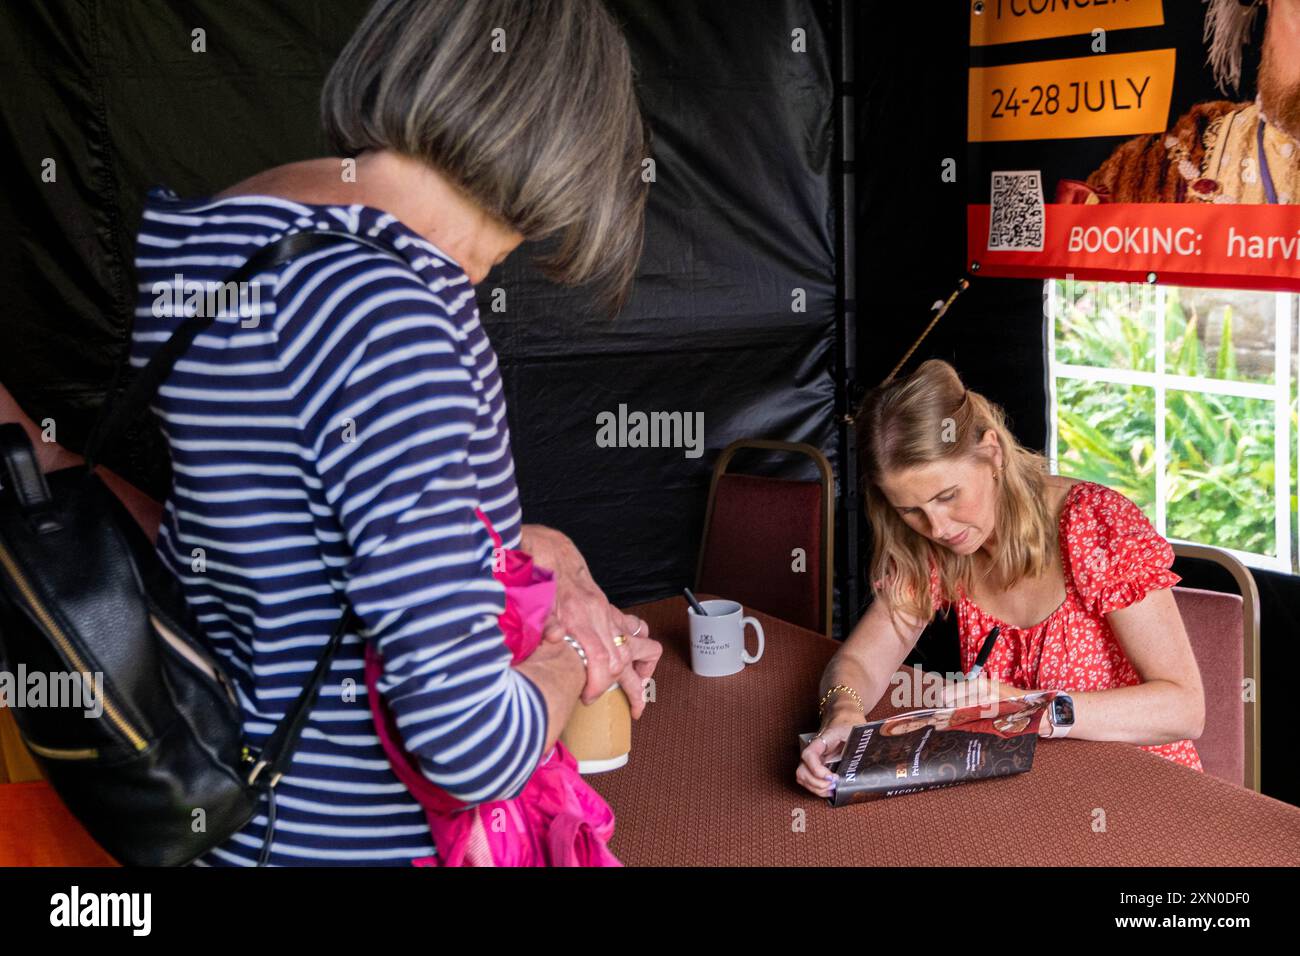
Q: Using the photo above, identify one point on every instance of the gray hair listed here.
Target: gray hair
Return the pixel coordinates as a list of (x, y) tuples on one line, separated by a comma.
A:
[(1228, 26), (528, 106)]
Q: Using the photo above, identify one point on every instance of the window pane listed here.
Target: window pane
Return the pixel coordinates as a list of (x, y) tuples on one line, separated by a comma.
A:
[(1105, 324), (1220, 333), (1106, 434), (1220, 471)]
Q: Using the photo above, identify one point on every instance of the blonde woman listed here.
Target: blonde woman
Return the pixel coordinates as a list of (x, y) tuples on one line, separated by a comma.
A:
[(1072, 572)]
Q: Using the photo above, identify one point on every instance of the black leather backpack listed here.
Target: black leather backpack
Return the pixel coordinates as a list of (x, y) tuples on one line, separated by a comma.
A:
[(152, 761)]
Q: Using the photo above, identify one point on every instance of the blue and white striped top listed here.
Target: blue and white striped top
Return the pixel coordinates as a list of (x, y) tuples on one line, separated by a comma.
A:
[(338, 437)]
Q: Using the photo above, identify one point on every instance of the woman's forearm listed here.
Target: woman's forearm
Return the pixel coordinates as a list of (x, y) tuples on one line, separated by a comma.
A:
[(552, 549), (847, 671), (1154, 712), (557, 671), (582, 610)]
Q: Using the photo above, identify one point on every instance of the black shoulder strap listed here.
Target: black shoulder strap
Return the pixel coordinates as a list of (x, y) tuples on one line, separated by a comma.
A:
[(116, 418), (278, 752)]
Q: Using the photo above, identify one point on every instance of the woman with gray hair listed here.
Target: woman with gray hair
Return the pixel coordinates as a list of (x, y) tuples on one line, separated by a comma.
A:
[(351, 440)]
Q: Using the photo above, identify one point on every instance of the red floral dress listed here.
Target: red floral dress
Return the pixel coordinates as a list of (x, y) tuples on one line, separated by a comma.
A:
[(1112, 557)]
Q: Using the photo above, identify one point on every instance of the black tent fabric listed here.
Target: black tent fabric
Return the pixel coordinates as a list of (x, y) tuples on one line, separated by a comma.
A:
[(734, 313)]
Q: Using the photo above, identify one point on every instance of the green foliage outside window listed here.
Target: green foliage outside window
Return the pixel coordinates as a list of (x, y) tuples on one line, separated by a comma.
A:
[(1219, 448)]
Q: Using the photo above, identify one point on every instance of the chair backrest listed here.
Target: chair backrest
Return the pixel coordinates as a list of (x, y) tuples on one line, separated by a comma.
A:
[(1213, 622), (1224, 632), (752, 528)]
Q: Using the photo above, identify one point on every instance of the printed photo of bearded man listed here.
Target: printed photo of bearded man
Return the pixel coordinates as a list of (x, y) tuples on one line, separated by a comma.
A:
[(1220, 151)]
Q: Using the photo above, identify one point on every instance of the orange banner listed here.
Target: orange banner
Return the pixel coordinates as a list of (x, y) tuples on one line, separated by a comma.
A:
[(1010, 21), (1118, 94), (1205, 244)]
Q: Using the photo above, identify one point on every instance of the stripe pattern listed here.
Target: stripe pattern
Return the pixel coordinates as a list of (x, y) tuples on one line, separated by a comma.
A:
[(331, 434)]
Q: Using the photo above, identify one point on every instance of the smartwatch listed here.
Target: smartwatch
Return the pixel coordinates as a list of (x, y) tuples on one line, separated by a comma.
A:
[(1060, 715)]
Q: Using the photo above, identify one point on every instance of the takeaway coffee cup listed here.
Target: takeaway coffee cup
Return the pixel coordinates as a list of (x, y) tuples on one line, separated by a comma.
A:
[(718, 639), (599, 734)]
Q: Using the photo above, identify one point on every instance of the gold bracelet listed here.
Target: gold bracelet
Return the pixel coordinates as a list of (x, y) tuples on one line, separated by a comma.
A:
[(821, 709)]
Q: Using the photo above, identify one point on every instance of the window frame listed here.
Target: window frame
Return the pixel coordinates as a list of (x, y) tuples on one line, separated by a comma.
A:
[(1285, 443)]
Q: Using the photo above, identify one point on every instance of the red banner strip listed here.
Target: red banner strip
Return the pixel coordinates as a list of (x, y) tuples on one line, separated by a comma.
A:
[(1202, 244)]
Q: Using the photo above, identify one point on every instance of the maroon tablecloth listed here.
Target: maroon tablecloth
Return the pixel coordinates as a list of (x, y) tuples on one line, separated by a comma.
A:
[(711, 782)]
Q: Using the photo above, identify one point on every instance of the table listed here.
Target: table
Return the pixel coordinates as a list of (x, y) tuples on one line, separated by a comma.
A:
[(711, 782)]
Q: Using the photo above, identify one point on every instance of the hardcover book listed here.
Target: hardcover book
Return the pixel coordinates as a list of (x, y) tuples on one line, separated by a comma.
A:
[(940, 747)]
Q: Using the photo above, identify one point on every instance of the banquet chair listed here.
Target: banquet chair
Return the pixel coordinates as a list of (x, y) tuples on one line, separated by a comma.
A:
[(752, 527), (1224, 633)]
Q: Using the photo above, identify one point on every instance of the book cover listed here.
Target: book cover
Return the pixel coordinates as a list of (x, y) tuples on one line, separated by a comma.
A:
[(940, 747)]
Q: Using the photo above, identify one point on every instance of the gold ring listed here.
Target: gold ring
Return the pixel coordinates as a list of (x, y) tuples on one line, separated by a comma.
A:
[(619, 640)]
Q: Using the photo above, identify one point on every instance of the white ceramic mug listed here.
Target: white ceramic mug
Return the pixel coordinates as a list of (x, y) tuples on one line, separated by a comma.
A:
[(718, 639)]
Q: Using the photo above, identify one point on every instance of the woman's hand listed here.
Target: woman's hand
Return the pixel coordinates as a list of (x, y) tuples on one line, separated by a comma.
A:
[(982, 691), (813, 774), (583, 612), (645, 655)]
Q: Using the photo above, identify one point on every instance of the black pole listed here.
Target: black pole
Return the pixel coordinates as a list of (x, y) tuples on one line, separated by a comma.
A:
[(846, 323)]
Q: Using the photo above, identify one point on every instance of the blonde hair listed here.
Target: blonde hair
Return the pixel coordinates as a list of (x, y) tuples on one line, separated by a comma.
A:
[(932, 417), (528, 106)]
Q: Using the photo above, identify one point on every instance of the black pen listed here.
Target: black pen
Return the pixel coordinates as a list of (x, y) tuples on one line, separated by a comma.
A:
[(985, 649)]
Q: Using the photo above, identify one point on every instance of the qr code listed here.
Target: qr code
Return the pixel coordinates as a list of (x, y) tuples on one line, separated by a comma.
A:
[(1016, 212)]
